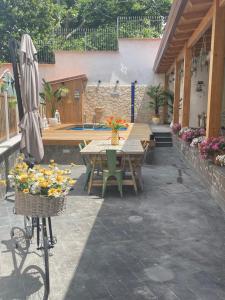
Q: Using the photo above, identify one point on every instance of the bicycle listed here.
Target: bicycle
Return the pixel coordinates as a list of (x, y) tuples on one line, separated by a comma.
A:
[(37, 212), (45, 239)]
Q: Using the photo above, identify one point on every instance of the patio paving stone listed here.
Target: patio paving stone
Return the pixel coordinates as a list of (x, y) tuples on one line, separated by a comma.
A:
[(167, 243)]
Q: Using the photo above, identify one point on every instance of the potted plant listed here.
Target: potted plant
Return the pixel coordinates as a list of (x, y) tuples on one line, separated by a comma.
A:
[(157, 95), (51, 97), (115, 124)]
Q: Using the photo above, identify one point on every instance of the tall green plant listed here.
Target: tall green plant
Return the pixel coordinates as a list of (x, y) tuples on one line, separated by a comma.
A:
[(52, 97), (158, 97)]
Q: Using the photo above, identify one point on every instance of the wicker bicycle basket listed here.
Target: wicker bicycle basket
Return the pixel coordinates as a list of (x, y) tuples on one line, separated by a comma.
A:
[(38, 205)]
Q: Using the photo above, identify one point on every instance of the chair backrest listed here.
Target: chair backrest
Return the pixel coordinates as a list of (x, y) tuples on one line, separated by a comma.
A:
[(111, 160)]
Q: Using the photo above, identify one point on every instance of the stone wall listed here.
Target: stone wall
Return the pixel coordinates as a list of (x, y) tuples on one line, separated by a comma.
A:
[(212, 175), (116, 102)]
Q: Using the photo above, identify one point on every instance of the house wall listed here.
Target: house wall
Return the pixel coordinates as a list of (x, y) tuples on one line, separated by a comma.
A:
[(198, 99), (133, 61)]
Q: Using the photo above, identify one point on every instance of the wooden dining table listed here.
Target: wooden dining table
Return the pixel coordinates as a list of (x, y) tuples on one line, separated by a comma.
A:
[(131, 149)]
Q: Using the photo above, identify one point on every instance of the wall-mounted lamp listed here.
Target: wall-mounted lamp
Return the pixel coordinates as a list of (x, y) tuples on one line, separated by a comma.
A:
[(76, 95)]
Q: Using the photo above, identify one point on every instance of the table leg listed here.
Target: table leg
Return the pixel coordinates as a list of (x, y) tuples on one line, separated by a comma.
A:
[(132, 174), (92, 175)]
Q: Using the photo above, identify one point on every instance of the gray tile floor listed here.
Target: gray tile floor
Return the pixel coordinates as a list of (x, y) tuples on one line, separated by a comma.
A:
[(167, 243)]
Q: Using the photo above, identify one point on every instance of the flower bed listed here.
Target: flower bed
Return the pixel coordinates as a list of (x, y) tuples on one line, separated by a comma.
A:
[(211, 147)]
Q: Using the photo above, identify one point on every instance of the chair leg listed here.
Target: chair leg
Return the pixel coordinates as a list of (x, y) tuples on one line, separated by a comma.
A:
[(105, 178), (119, 179)]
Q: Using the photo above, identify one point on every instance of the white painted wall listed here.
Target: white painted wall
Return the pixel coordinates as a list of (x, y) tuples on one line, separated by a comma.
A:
[(199, 100), (133, 61)]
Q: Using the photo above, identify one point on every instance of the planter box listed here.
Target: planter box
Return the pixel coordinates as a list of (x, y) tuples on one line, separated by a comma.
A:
[(211, 174)]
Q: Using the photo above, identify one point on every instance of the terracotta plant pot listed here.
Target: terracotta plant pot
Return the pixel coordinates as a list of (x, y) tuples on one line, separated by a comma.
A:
[(156, 120)]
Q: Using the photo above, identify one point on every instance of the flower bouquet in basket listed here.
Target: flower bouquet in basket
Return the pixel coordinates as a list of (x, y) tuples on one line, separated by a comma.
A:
[(116, 124), (40, 191)]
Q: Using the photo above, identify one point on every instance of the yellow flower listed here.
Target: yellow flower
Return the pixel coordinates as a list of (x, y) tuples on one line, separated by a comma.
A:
[(52, 161), (59, 179), (47, 172), (72, 182), (23, 178), (2, 182), (44, 184), (53, 192), (60, 172), (25, 191)]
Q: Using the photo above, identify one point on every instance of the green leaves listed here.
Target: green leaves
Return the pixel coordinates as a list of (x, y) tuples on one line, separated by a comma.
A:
[(158, 97), (48, 95)]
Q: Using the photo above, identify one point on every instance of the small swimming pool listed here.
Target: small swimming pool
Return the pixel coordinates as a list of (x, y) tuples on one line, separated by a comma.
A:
[(93, 127)]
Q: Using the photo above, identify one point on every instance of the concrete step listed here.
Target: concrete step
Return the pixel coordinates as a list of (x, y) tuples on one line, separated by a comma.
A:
[(164, 144), (162, 134), (163, 139)]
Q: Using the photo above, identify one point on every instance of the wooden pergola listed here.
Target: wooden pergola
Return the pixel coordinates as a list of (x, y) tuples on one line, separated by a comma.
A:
[(188, 21)]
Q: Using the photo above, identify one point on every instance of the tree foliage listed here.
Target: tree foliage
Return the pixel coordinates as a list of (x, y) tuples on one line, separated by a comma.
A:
[(40, 18), (92, 13), (36, 17)]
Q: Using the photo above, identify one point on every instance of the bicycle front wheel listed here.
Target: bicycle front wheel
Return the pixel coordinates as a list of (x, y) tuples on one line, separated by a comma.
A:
[(46, 255)]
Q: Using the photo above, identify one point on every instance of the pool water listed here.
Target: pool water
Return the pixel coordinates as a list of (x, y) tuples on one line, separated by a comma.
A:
[(97, 128)]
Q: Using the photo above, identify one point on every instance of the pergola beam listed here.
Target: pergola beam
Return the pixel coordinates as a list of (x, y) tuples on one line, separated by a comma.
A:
[(201, 29), (216, 71)]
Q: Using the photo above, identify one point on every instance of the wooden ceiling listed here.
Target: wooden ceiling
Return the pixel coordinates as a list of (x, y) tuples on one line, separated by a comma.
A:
[(184, 18)]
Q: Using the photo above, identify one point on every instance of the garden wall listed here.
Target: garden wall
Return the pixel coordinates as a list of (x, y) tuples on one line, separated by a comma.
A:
[(117, 103), (212, 175), (7, 160)]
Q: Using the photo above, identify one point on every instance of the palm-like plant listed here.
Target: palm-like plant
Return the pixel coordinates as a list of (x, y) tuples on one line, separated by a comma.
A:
[(169, 98), (52, 97), (158, 98)]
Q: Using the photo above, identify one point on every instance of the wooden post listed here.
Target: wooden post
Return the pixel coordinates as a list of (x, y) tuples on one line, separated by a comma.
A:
[(187, 87), (216, 71), (176, 102), (165, 106)]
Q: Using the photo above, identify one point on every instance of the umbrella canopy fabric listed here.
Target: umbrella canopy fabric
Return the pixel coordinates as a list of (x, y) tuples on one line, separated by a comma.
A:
[(31, 141)]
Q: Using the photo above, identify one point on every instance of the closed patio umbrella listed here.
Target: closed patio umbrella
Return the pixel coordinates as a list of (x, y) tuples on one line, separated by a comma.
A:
[(31, 142)]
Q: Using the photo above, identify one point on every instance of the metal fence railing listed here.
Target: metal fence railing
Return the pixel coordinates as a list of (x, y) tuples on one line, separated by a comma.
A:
[(98, 39), (86, 39), (140, 27)]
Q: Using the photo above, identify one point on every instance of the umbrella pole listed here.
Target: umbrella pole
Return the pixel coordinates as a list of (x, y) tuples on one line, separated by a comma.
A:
[(13, 46)]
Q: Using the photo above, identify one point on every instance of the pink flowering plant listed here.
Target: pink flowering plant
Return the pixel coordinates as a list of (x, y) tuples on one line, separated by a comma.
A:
[(211, 146), (188, 134), (176, 128)]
